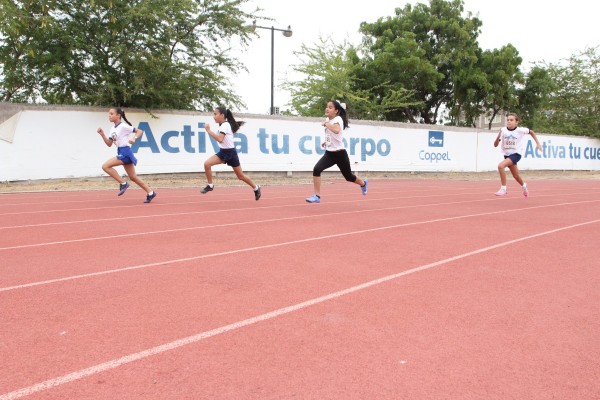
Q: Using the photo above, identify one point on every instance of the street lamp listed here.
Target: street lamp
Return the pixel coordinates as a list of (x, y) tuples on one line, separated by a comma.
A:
[(287, 33)]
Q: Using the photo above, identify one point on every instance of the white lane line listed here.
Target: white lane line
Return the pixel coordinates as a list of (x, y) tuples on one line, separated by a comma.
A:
[(102, 195), (115, 363), (295, 204), (131, 217), (235, 223), (221, 200), (267, 246), (110, 237)]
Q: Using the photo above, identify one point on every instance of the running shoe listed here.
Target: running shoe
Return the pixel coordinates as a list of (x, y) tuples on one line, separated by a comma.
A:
[(206, 189), (313, 199), (122, 188), (150, 197), (257, 193), (525, 191), (365, 187), (501, 192)]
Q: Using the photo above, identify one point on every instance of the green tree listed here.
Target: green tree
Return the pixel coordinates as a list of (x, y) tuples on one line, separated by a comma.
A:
[(421, 49), (533, 95), (471, 87), (134, 53), (328, 72), (573, 105), (503, 75)]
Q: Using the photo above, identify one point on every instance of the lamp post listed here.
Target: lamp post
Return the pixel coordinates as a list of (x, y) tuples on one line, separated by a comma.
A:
[(287, 33)]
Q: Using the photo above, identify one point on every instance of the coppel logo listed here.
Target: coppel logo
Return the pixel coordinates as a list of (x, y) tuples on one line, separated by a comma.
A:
[(436, 139)]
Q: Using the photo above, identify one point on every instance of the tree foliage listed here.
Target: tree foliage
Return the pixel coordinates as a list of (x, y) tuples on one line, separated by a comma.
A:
[(573, 104), (135, 53), (329, 72), (533, 95), (422, 49), (503, 75), (424, 65)]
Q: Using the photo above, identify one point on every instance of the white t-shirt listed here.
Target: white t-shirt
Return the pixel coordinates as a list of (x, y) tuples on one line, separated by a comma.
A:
[(121, 133), (227, 143), (334, 141), (511, 142)]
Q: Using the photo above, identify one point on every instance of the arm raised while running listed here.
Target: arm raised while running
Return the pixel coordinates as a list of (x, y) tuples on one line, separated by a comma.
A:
[(219, 137), (109, 142), (497, 141), (137, 133), (335, 128)]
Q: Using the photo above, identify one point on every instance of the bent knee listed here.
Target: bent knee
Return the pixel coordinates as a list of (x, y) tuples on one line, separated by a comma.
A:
[(351, 178)]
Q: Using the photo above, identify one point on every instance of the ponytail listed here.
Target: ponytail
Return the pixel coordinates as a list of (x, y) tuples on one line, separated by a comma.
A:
[(341, 109), (235, 125), (120, 112)]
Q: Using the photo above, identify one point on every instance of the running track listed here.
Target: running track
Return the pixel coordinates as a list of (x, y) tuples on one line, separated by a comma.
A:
[(423, 289)]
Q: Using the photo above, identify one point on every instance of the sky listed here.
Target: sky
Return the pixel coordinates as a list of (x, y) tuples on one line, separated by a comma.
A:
[(548, 31)]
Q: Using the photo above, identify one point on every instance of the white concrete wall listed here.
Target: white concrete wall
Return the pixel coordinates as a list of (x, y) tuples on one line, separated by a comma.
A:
[(62, 143)]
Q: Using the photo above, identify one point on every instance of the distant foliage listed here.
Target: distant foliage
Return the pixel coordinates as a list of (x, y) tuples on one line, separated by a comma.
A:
[(572, 106), (135, 53)]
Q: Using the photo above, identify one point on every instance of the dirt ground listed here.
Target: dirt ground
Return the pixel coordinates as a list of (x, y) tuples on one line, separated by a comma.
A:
[(268, 179)]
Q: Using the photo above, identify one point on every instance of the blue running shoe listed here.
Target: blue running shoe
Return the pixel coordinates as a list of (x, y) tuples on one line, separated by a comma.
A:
[(313, 199), (365, 187), (122, 188), (150, 197)]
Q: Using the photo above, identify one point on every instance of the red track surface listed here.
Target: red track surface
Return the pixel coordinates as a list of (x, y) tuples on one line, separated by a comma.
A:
[(420, 290)]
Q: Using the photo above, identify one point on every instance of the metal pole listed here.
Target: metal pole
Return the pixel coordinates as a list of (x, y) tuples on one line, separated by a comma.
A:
[(272, 70), (287, 33)]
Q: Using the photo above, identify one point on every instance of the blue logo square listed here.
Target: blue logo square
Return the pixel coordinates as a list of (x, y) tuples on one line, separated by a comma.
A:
[(436, 139)]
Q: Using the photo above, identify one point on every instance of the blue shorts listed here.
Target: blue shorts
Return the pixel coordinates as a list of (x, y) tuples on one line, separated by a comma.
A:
[(126, 155), (229, 157), (515, 157)]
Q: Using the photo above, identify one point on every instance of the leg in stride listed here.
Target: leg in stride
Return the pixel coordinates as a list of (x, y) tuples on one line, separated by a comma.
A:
[(208, 164), (514, 170), (130, 169), (243, 177), (109, 168)]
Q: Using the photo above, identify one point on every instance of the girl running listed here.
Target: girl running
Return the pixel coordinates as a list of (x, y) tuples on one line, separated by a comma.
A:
[(335, 153), (227, 153), (123, 135), (511, 138)]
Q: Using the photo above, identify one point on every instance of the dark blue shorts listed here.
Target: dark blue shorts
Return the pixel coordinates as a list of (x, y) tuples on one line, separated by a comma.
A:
[(515, 157), (126, 155), (229, 157)]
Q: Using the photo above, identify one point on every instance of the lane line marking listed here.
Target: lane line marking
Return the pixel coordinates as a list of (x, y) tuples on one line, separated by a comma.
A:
[(262, 247), (124, 235), (115, 363), (255, 208), (220, 201)]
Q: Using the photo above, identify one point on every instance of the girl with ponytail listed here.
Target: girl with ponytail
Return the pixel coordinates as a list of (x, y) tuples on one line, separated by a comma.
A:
[(123, 136), (227, 153), (334, 125)]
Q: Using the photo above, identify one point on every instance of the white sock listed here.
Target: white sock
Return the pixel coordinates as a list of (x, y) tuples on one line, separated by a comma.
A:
[(524, 184), (256, 188), (503, 188), (211, 185), (151, 193)]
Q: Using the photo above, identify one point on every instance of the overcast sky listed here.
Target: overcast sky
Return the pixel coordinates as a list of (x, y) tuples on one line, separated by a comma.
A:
[(541, 31)]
